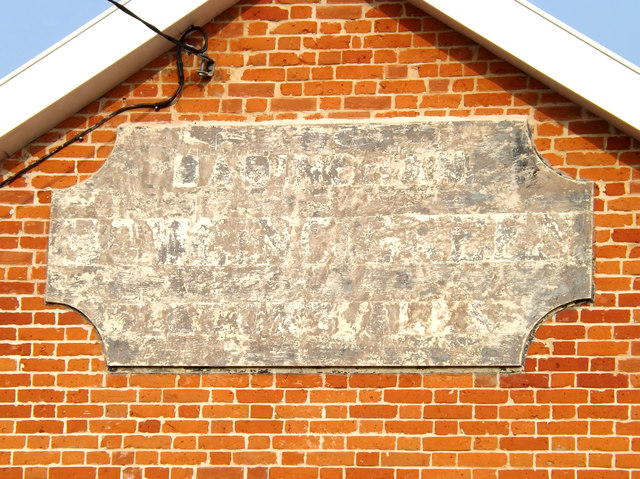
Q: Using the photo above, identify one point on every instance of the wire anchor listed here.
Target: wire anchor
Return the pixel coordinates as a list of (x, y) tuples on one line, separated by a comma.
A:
[(205, 71)]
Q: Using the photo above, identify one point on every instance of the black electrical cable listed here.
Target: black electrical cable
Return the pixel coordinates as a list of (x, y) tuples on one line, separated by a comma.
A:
[(179, 43), (182, 44)]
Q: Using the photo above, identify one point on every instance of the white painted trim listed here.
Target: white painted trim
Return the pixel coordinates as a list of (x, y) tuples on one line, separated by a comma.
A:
[(590, 41), (110, 48), (59, 44), (549, 50), (88, 63)]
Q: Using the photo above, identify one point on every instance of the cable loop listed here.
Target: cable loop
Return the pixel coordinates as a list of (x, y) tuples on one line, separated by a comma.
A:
[(206, 70)]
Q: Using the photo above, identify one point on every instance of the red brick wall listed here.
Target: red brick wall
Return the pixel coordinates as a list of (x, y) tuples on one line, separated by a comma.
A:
[(574, 412)]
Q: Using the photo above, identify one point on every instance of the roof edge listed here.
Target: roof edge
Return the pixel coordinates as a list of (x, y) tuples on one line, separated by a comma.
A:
[(106, 60), (535, 42), (550, 51)]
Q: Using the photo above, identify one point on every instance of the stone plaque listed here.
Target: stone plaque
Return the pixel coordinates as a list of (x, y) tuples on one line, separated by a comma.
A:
[(400, 244)]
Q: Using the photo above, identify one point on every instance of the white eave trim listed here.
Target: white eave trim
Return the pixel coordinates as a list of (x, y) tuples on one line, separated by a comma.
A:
[(552, 52), (88, 63), (106, 51)]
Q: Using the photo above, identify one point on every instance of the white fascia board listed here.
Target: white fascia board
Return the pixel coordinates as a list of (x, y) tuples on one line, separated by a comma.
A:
[(544, 47), (88, 63)]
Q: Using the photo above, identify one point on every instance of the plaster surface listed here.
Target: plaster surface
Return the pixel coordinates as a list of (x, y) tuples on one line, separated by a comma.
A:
[(402, 244)]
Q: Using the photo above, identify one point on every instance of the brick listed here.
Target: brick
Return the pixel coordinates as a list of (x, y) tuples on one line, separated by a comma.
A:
[(185, 426), (293, 472), (629, 300), (78, 350), (259, 396), (220, 472), (602, 380), (295, 442), (602, 348), (563, 364), (152, 410), (483, 459), (12, 411), (590, 158), (603, 412), (367, 102), (152, 380), (554, 113), (333, 426), (79, 411), (605, 174), (524, 443), (524, 412), (73, 151), (251, 89), (252, 44), (371, 442), (445, 443), (624, 204), (605, 316), (405, 459), (563, 396), (42, 364), (448, 412), (322, 73), (354, 56), (330, 458), (327, 88), (221, 442), (523, 474), (628, 397), (487, 99), (285, 59), (225, 380), (293, 104), (485, 396), (441, 101), (7, 318), (603, 443), (39, 426), (265, 13), (301, 12), (340, 12), (327, 42), (302, 411), (359, 72), (390, 40), (295, 28), (402, 86), (259, 426), (579, 143), (14, 380), (183, 458), (373, 411), (481, 428), (409, 427), (627, 332), (631, 158), (16, 257)]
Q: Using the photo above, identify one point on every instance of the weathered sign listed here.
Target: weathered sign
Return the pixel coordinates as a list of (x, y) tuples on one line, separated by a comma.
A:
[(407, 244)]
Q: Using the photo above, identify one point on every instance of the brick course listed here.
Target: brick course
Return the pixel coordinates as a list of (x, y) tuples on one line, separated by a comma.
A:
[(574, 412)]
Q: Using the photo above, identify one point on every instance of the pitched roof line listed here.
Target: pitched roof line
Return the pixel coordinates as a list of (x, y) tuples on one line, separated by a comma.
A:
[(538, 44), (59, 44), (592, 43)]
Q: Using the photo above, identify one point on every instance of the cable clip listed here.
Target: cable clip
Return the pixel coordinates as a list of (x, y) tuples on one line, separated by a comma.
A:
[(206, 67)]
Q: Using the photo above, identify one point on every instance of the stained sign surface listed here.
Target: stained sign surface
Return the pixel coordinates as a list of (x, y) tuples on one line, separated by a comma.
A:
[(419, 243)]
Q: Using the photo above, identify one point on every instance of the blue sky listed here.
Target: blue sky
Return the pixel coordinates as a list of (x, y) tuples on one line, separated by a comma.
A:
[(612, 23), (28, 27)]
